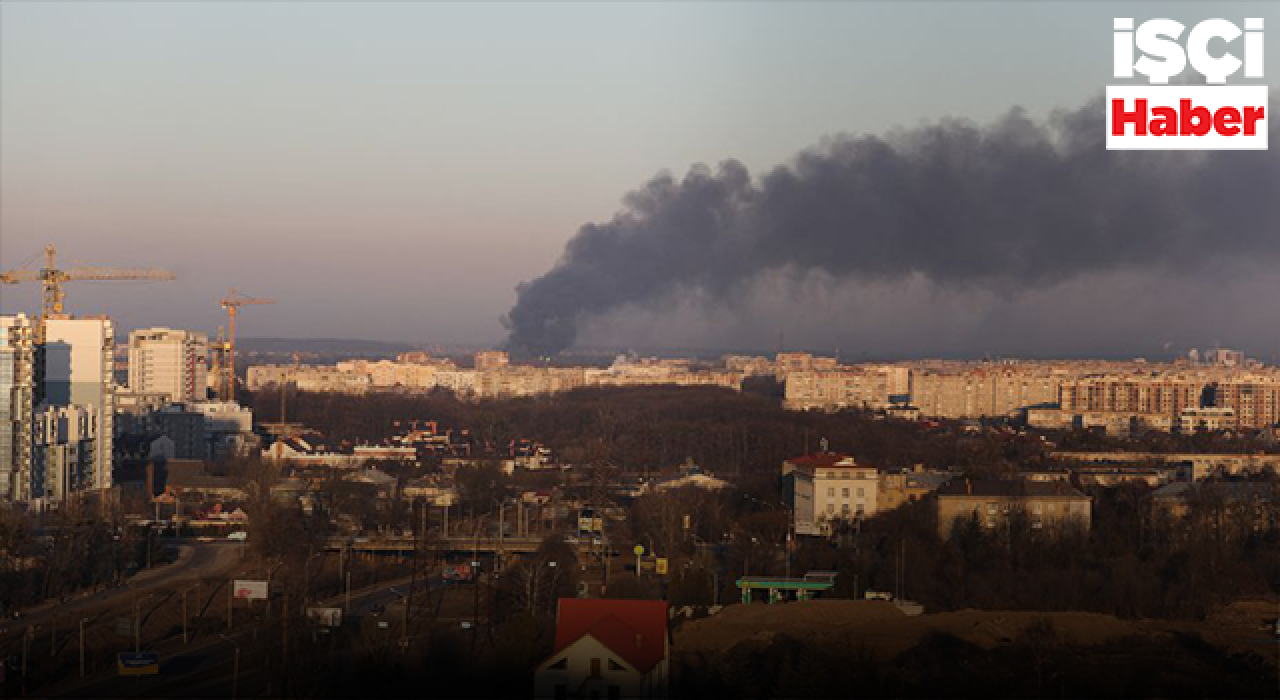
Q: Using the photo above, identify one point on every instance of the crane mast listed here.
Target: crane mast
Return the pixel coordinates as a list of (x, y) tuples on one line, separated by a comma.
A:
[(232, 303)]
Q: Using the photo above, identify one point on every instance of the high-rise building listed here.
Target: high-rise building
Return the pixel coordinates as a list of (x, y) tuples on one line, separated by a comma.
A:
[(73, 419), (17, 384), (170, 362)]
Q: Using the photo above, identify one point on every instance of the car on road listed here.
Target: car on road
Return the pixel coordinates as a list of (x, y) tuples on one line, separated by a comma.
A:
[(240, 536)]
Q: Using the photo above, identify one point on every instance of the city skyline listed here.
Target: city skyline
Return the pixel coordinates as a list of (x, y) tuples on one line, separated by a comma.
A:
[(395, 218)]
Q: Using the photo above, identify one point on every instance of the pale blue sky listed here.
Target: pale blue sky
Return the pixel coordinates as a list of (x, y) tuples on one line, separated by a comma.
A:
[(394, 170)]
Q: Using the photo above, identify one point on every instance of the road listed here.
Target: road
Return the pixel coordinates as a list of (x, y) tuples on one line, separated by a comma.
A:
[(205, 668), (194, 561)]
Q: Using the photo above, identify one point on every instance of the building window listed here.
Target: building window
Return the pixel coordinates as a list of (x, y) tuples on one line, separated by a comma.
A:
[(862, 492), (844, 508), (831, 492), (845, 492), (831, 508), (595, 669)]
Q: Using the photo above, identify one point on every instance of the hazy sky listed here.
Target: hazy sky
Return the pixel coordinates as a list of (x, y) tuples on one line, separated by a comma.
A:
[(393, 170)]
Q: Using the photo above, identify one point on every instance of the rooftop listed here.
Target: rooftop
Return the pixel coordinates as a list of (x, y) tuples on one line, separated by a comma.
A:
[(636, 630), (1009, 488)]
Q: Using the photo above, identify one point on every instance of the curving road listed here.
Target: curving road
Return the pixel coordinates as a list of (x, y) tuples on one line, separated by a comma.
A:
[(195, 560)]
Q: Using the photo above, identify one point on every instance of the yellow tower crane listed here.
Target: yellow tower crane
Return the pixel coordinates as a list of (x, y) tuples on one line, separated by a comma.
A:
[(232, 303), (52, 278)]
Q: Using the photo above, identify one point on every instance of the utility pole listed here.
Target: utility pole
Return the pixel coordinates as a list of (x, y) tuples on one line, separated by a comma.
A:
[(137, 624), (284, 647), (502, 511), (235, 668)]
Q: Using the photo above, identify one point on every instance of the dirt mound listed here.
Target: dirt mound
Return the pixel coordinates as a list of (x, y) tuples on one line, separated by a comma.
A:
[(870, 620), (881, 628)]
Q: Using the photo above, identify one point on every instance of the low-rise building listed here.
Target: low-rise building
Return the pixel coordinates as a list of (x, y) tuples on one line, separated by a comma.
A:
[(900, 486), (607, 649), (994, 502)]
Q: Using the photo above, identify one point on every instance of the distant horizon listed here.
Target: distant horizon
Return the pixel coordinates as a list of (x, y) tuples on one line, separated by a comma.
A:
[(843, 355), (402, 169)]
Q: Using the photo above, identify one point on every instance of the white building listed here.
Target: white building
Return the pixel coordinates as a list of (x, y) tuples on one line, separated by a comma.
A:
[(75, 410), (828, 487), (169, 362), (17, 384)]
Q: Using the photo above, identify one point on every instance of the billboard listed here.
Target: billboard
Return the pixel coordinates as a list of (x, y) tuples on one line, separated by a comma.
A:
[(138, 663), (250, 590), (326, 617)]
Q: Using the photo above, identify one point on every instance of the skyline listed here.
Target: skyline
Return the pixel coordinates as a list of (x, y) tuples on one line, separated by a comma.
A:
[(185, 136)]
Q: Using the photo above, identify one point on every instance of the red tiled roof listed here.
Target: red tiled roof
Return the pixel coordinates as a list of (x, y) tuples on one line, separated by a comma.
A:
[(636, 630)]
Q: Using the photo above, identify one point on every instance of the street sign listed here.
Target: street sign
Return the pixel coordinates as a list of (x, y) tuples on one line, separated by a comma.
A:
[(638, 549), (250, 590), (138, 663), (124, 626), (660, 566)]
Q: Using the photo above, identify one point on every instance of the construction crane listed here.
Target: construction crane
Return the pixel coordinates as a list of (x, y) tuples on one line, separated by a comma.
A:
[(53, 278), (232, 303)]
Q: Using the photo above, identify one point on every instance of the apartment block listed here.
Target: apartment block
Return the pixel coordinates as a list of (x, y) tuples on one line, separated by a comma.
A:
[(17, 386), (984, 391), (171, 362), (1255, 400), (72, 440), (829, 390)]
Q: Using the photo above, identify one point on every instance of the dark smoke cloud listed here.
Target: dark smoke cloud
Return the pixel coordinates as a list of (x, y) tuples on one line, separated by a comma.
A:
[(1007, 208)]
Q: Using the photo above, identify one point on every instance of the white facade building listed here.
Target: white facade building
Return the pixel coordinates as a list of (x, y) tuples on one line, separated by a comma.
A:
[(828, 487), (73, 422)]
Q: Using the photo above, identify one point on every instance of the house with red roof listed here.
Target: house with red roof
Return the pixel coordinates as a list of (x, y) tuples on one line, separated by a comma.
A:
[(607, 649)]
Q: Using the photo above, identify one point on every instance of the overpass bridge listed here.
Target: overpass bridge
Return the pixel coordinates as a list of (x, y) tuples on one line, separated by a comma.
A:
[(446, 545)]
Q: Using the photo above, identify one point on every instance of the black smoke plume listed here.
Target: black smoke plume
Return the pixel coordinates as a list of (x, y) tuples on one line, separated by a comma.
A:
[(1006, 207)]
